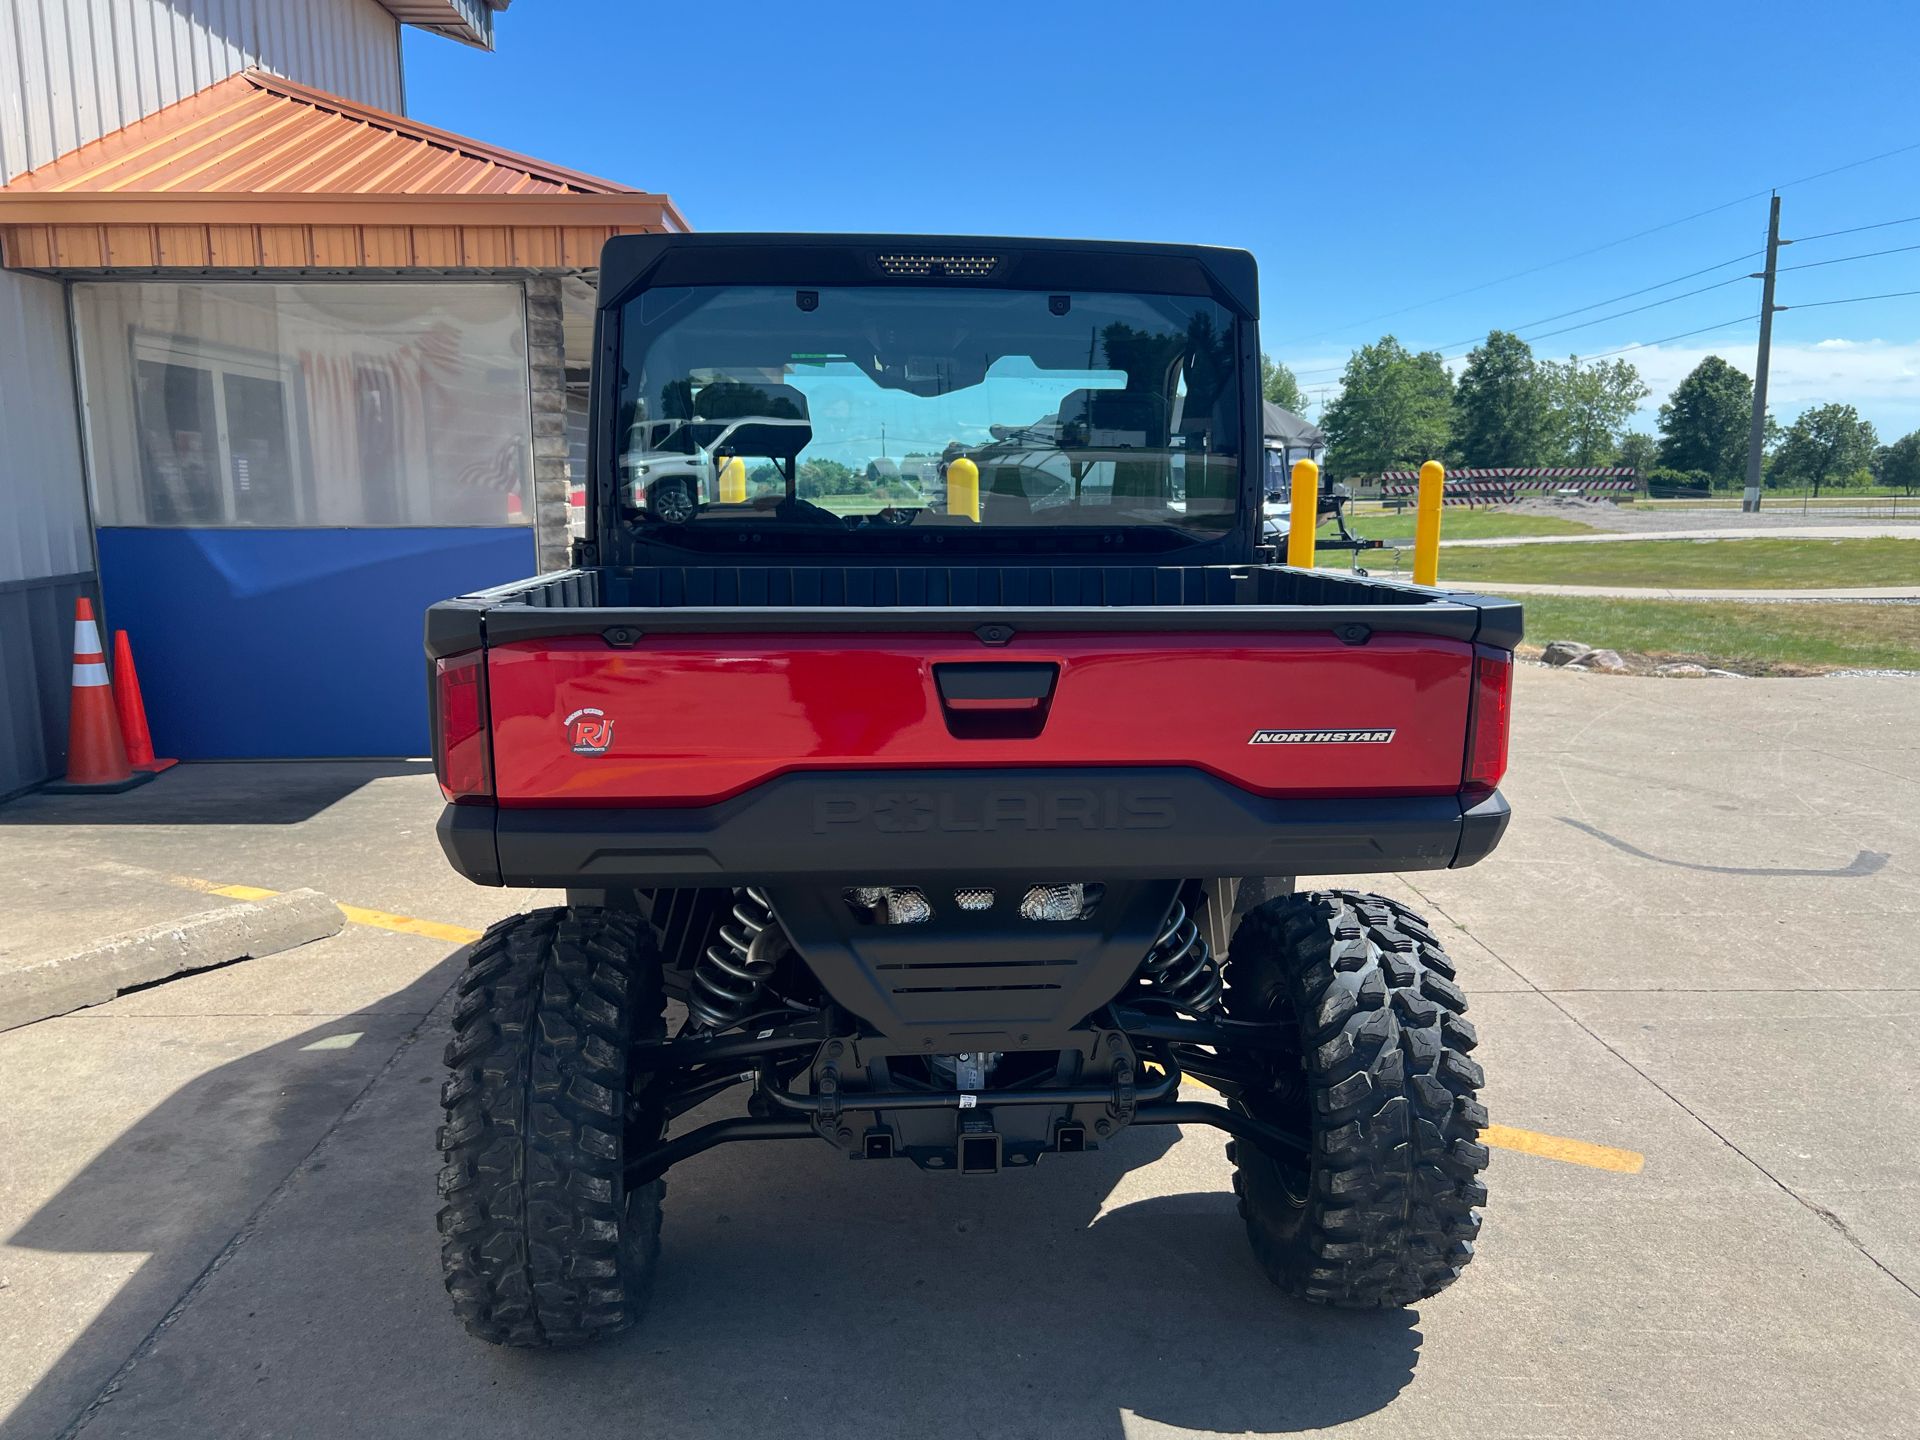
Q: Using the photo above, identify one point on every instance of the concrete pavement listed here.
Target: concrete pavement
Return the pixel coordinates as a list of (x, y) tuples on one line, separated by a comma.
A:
[(1695, 944)]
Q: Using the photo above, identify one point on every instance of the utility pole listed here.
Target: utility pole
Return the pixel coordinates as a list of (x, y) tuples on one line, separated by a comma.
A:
[(1756, 438)]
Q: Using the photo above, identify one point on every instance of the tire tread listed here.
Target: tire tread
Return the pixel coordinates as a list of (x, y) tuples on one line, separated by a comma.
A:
[(1389, 1214), (541, 1244)]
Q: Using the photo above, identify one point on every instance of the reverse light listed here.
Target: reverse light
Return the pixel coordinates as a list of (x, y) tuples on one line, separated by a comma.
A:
[(1054, 902), (1490, 721), (462, 757)]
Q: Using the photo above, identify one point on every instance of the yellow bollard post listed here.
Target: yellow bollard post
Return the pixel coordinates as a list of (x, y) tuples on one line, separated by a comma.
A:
[(1426, 523), (733, 482), (963, 488), (1306, 514)]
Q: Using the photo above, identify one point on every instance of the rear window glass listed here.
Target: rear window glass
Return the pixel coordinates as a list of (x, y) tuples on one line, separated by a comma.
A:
[(862, 408)]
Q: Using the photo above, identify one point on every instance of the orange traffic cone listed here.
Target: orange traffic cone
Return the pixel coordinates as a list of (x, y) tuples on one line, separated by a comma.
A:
[(133, 709), (96, 755)]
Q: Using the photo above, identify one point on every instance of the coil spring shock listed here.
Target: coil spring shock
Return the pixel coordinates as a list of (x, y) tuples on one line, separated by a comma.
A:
[(1180, 966), (728, 979)]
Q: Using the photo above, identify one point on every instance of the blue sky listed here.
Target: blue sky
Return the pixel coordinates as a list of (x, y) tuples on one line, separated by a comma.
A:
[(1375, 157)]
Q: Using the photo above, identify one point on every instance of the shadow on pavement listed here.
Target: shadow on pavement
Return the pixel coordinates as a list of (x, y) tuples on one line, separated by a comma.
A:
[(857, 1300), (240, 792), (802, 1294), (182, 1181)]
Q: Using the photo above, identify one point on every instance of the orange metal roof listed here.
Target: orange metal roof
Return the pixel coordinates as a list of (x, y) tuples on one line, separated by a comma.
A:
[(262, 153)]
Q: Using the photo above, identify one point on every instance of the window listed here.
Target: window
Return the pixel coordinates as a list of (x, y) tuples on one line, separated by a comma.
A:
[(1105, 410), (217, 444), (255, 403)]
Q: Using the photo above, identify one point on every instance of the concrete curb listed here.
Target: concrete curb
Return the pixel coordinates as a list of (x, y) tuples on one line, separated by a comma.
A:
[(213, 937)]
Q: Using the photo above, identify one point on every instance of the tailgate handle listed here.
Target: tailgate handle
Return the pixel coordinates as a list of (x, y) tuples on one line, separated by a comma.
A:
[(995, 700), (1000, 684)]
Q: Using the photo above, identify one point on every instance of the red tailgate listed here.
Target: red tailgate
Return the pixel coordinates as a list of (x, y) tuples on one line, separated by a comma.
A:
[(691, 719)]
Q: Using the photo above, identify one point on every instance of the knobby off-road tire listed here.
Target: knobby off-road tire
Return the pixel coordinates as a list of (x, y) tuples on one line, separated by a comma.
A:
[(1382, 1212), (541, 1240)]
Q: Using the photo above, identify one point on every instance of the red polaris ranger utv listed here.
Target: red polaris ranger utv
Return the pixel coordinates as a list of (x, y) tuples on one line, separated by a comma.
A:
[(958, 801)]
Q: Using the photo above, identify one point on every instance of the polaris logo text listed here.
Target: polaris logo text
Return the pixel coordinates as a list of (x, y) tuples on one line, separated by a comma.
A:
[(914, 812), (1321, 737)]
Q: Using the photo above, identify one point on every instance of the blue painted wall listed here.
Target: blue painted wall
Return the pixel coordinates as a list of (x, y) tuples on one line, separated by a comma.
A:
[(262, 644)]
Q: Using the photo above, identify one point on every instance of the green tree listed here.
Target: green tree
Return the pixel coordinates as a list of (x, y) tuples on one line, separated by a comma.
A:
[(1704, 424), (1828, 444), (1592, 404), (827, 477), (1900, 463), (1394, 411), (1503, 406), (1639, 451), (1278, 385)]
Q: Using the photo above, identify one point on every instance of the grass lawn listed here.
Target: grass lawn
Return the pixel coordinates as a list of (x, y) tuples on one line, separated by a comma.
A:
[(1697, 564), (1462, 524), (1796, 635), (864, 504)]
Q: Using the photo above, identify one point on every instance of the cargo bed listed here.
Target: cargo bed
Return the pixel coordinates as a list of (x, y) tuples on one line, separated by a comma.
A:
[(874, 598)]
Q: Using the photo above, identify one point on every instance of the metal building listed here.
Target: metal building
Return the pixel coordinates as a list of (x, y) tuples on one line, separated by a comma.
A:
[(277, 364)]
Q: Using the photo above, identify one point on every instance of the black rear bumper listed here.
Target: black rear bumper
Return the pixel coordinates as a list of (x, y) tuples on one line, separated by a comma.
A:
[(908, 826)]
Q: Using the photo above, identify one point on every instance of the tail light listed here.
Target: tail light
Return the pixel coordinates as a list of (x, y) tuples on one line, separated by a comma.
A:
[(462, 754), (1491, 718)]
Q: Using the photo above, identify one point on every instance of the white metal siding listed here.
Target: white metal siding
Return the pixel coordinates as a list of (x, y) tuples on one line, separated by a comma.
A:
[(469, 21), (43, 500), (74, 70), (46, 554)]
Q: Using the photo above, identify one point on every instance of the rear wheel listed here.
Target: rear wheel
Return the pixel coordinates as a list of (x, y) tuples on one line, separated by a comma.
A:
[(1381, 1212), (542, 1242)]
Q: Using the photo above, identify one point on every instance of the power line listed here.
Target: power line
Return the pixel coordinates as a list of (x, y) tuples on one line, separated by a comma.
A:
[(1454, 349), (1616, 299), (1843, 259), (1664, 339), (1650, 305), (1851, 300), (1605, 245), (1688, 334), (1850, 165), (1530, 270), (1741, 320), (1856, 229)]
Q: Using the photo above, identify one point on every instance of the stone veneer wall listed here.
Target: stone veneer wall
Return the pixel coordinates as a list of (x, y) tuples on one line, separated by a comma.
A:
[(547, 376)]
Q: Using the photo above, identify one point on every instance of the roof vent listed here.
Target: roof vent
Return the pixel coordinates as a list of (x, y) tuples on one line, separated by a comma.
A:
[(946, 267)]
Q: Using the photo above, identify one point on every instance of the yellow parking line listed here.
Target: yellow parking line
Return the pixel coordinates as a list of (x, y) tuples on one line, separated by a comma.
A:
[(407, 925), (1533, 1142), (232, 892), (1505, 1137), (1559, 1147), (243, 892), (356, 915)]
